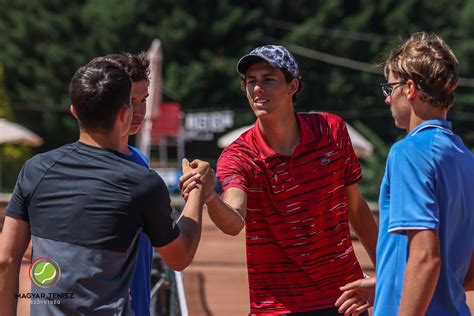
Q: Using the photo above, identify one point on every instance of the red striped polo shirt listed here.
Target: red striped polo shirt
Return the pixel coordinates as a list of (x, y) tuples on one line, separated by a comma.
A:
[(299, 250)]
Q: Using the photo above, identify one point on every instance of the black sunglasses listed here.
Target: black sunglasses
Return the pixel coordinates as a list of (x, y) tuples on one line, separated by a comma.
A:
[(387, 87)]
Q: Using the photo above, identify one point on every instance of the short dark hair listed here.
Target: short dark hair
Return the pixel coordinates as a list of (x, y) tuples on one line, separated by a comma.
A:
[(288, 78), (98, 91), (136, 65)]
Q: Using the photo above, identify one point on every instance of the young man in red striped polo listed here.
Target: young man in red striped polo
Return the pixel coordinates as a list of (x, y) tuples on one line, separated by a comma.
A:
[(292, 181)]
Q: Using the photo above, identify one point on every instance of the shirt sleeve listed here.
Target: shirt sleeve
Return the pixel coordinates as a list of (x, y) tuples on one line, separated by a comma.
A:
[(231, 171), (352, 170), (156, 205), (19, 201), (413, 202)]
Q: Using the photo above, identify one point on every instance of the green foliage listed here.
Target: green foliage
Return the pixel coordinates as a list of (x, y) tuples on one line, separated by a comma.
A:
[(42, 43), (373, 166), (5, 110), (12, 157)]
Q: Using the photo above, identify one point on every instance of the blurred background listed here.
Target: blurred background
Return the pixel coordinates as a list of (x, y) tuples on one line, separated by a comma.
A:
[(43, 42), (337, 43)]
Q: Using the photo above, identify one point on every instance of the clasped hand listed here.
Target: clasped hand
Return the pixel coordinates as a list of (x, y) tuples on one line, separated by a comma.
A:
[(357, 297), (197, 174)]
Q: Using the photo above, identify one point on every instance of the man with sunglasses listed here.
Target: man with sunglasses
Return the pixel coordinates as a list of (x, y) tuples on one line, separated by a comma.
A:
[(425, 245)]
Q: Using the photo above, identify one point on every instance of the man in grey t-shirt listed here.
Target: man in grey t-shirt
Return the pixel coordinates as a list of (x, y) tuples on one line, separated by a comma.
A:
[(83, 206)]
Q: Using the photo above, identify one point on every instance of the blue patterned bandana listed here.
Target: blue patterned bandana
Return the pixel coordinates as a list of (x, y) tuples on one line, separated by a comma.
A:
[(277, 56)]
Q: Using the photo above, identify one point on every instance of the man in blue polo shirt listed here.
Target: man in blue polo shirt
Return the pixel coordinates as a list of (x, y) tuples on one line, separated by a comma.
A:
[(425, 245)]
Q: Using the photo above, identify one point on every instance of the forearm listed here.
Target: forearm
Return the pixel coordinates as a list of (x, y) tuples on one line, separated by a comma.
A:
[(13, 242), (364, 226), (227, 213), (190, 223), (228, 219), (9, 272), (421, 277)]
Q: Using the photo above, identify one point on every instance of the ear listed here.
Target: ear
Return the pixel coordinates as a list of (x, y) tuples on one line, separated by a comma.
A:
[(124, 119), (411, 91), (294, 85), (72, 110), (125, 111)]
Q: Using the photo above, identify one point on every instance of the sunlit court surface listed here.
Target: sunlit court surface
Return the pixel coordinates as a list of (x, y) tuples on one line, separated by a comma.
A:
[(216, 282), (207, 88)]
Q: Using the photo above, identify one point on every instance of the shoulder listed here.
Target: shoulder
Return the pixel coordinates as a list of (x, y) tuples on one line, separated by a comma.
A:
[(140, 174), (238, 158), (417, 144), (35, 168), (57, 152), (240, 148), (412, 153), (149, 183), (43, 160), (327, 123), (153, 179), (403, 147), (319, 117)]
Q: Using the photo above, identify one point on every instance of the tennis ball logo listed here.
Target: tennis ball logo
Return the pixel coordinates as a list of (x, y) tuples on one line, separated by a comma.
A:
[(44, 272)]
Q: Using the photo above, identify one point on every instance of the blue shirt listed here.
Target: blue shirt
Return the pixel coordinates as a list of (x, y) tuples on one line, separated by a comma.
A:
[(428, 184), (140, 287)]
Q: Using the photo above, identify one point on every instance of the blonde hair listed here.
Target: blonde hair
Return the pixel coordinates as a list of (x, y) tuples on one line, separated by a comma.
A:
[(428, 61)]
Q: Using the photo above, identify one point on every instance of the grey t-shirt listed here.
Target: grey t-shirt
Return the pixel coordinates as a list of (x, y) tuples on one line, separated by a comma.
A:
[(86, 206)]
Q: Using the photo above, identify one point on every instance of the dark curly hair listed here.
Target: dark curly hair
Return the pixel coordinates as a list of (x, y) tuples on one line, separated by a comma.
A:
[(136, 65)]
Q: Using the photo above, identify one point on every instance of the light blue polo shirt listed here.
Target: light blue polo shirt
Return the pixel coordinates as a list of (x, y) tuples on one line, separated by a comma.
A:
[(428, 184)]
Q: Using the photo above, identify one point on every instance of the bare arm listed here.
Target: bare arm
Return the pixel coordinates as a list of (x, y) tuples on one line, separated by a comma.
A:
[(28, 253), (362, 220), (13, 242), (469, 279), (422, 272), (180, 252), (227, 213)]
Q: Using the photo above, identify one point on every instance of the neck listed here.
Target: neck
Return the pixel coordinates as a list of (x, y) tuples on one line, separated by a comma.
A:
[(281, 135), (102, 140), (124, 145), (426, 112)]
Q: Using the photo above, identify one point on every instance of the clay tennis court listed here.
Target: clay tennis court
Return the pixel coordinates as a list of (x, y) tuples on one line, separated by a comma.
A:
[(216, 282)]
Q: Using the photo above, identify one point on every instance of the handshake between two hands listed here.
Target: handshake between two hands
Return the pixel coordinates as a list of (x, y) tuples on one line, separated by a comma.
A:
[(197, 174)]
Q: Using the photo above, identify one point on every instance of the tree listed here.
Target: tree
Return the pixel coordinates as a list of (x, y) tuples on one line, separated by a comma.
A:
[(11, 156), (44, 41), (5, 110)]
